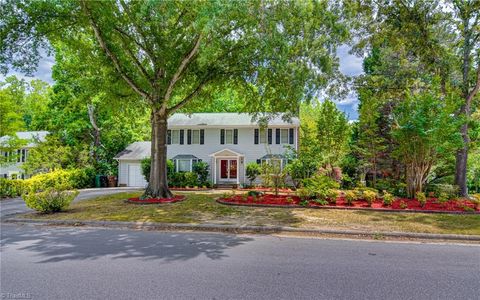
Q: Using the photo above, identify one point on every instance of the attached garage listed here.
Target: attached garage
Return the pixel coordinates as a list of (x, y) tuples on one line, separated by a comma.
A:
[(135, 176), (129, 167)]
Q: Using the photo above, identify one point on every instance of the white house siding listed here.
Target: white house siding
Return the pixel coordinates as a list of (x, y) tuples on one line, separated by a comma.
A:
[(246, 146)]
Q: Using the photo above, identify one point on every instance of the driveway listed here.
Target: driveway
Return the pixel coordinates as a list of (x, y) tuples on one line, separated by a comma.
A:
[(17, 205)]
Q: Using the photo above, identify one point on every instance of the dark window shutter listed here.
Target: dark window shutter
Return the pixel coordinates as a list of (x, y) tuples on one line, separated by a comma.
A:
[(256, 136), (277, 136), (235, 136), (182, 134), (174, 165), (202, 136), (259, 161), (222, 136), (169, 137), (290, 136), (189, 136), (270, 136)]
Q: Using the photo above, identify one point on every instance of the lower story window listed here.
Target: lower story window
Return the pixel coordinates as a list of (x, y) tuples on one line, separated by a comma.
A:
[(183, 165)]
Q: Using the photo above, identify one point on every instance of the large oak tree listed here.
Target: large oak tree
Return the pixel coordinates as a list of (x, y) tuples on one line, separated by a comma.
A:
[(174, 54)]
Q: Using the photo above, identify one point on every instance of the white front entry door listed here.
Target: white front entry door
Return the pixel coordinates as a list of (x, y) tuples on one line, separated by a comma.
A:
[(135, 177)]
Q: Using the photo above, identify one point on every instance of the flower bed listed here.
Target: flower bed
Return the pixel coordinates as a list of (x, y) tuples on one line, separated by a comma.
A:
[(432, 205), (176, 198), (266, 189)]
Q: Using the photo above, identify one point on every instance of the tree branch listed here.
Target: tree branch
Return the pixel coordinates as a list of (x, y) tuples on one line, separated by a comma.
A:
[(185, 61), (110, 54), (134, 58), (475, 90), (189, 97)]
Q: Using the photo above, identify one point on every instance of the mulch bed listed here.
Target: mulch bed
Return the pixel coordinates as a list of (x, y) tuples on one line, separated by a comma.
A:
[(176, 198), (432, 204)]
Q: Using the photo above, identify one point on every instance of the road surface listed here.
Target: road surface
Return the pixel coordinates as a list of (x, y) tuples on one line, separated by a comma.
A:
[(89, 263)]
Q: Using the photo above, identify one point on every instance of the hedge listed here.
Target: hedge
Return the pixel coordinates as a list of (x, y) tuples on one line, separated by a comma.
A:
[(58, 179)]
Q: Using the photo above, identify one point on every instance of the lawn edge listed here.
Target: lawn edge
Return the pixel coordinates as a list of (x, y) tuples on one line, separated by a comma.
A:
[(218, 200), (208, 227)]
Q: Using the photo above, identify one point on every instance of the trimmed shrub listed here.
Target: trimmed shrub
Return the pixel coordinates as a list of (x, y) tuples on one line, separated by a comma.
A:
[(443, 197), (387, 198), (201, 168), (10, 188), (369, 196), (332, 195), (50, 200), (451, 191), (421, 198), (350, 196)]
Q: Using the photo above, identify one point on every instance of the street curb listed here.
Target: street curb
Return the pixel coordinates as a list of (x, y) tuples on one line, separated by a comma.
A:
[(218, 200), (207, 227)]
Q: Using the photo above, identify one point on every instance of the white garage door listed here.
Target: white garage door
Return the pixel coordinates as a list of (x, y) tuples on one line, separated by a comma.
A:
[(135, 177)]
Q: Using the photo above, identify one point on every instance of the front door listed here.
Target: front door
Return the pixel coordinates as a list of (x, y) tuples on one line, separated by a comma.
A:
[(228, 169)]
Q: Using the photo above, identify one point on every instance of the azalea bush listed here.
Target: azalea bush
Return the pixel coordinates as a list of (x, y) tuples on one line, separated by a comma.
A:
[(50, 200), (10, 188)]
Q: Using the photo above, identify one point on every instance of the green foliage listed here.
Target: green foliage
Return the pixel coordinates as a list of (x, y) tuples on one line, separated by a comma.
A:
[(254, 193), (252, 171), (272, 175), (451, 191), (320, 186), (403, 204), (301, 167), (350, 196), (425, 131), (11, 144), (60, 180), (201, 168), (11, 188), (387, 198), (305, 193), (50, 200), (53, 154), (443, 197), (476, 200), (369, 196), (421, 198), (321, 202)]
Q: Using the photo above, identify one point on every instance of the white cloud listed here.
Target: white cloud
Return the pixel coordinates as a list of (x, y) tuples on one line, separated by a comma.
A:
[(44, 70)]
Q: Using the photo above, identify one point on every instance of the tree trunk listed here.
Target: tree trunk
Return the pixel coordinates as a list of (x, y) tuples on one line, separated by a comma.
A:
[(461, 163), (158, 185)]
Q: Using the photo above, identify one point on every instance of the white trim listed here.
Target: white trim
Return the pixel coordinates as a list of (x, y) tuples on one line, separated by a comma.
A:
[(226, 149)]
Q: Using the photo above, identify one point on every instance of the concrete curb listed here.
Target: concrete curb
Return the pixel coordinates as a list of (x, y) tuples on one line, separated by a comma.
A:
[(218, 200), (207, 227)]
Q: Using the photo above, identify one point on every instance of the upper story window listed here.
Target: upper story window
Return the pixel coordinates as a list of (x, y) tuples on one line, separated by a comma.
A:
[(177, 136), (263, 136), (284, 136), (228, 136)]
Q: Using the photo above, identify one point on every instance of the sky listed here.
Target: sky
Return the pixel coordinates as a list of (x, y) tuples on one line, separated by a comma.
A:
[(350, 65)]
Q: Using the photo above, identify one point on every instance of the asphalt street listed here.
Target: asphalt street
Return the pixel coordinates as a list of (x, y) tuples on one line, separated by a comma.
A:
[(89, 263)]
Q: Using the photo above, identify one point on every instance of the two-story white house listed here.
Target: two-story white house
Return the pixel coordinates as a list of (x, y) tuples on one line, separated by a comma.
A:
[(11, 166), (226, 141)]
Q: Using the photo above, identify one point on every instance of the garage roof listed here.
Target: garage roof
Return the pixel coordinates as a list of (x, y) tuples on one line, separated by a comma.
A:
[(135, 151)]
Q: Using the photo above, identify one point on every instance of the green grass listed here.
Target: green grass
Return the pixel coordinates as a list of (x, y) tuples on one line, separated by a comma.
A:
[(202, 208)]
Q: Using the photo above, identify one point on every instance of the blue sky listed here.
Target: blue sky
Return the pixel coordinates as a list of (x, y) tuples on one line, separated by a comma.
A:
[(349, 65)]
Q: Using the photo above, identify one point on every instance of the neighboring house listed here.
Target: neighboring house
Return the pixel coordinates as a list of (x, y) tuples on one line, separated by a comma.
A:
[(226, 141), (13, 160)]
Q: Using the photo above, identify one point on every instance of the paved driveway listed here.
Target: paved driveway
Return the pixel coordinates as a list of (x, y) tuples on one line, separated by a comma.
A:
[(16, 205)]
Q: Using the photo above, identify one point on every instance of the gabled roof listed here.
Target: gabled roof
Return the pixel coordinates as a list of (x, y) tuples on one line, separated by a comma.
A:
[(135, 151), (226, 152), (272, 156), (33, 137), (225, 120), (184, 156)]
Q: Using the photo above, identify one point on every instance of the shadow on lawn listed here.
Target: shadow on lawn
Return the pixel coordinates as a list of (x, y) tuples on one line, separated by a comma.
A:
[(63, 244)]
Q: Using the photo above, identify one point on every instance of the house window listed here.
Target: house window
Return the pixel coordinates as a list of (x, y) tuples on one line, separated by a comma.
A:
[(184, 165), (195, 136), (263, 136), (24, 155), (284, 136), (228, 136), (175, 136)]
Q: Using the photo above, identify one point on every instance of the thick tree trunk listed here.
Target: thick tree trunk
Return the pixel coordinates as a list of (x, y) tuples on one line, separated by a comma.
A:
[(461, 163), (158, 185)]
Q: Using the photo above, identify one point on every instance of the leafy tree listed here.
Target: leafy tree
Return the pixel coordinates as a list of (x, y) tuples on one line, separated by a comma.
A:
[(173, 54), (53, 154), (10, 145), (425, 130), (332, 133), (252, 171)]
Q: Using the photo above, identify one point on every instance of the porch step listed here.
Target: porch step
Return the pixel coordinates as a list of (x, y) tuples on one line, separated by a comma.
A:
[(226, 186)]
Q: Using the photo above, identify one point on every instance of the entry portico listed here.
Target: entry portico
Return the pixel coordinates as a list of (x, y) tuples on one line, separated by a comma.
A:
[(228, 166)]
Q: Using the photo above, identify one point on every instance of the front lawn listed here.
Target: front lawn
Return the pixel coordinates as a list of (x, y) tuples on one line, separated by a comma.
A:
[(202, 208)]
